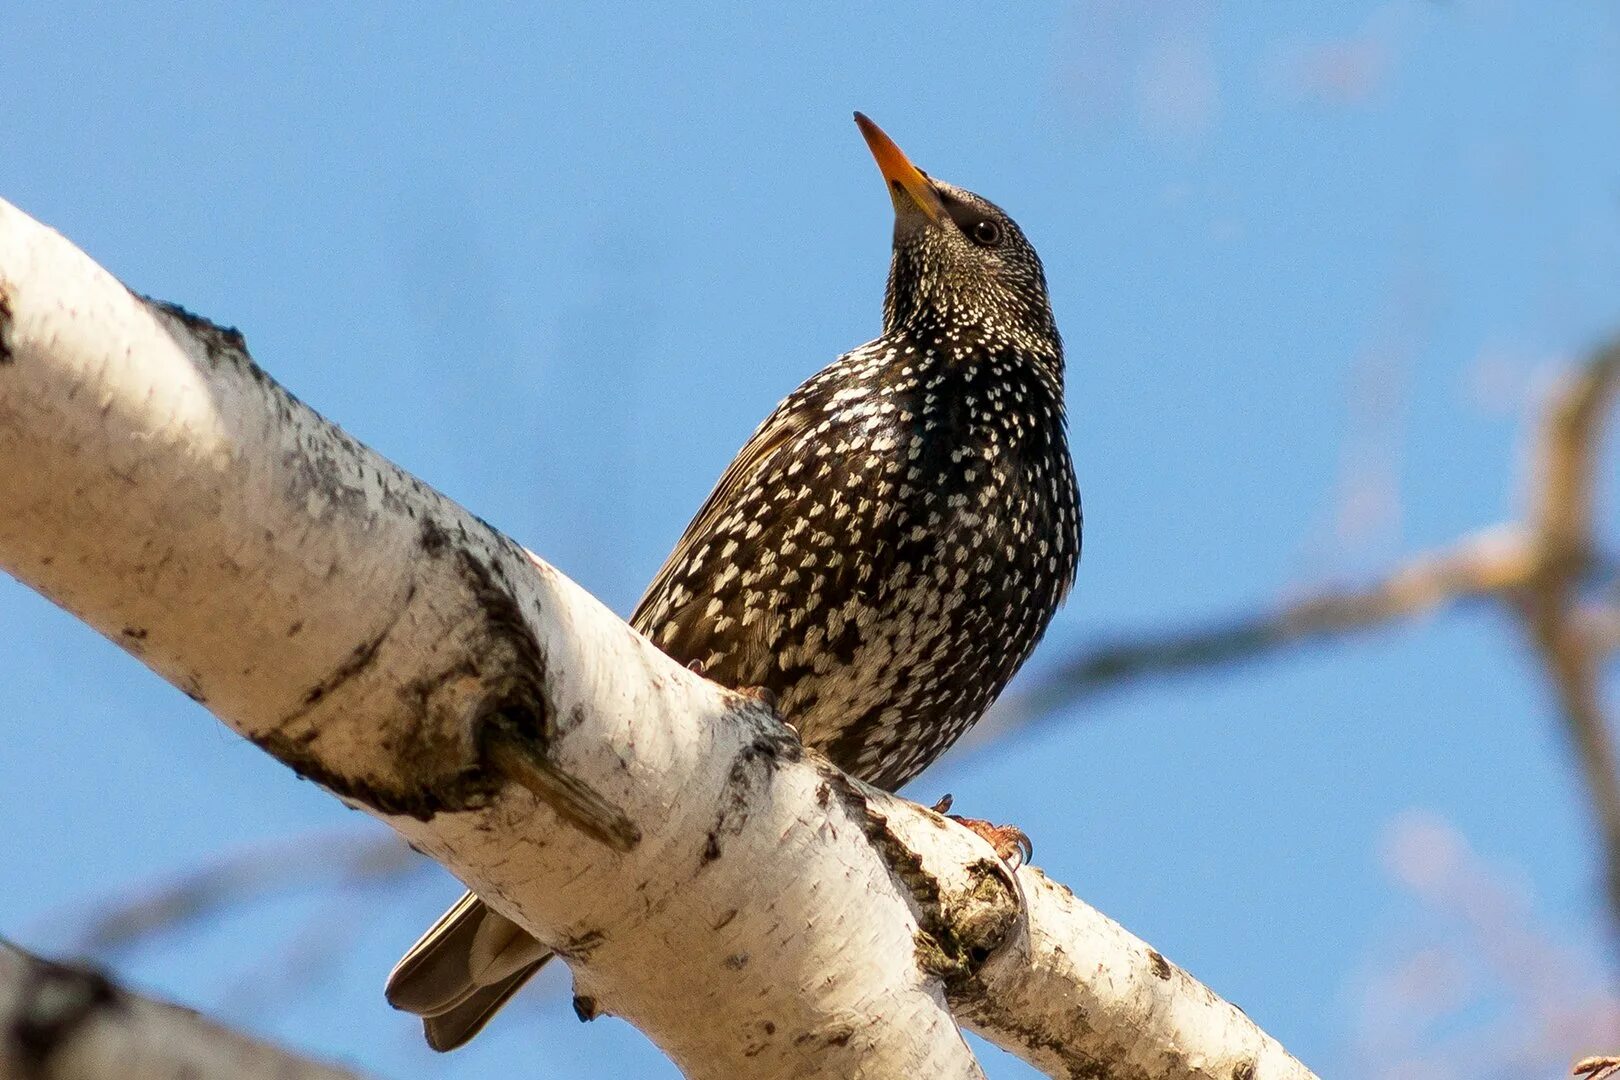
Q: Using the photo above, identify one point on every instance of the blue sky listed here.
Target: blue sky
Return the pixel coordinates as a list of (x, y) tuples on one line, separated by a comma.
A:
[(558, 260)]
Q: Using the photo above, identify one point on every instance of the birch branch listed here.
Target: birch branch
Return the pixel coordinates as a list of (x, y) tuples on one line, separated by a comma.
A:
[(67, 1023), (751, 909)]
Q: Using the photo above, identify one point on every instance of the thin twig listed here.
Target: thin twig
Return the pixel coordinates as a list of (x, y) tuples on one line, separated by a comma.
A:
[(1483, 566), (233, 882), (1562, 518), (1597, 1068)]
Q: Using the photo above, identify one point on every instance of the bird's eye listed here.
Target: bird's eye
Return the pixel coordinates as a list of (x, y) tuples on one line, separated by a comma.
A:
[(986, 233)]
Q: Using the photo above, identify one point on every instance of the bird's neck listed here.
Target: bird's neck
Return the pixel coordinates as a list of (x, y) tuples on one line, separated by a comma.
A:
[(960, 339)]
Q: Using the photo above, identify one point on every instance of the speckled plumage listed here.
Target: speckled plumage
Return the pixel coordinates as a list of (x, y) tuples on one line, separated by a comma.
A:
[(888, 548), (890, 545), (882, 554)]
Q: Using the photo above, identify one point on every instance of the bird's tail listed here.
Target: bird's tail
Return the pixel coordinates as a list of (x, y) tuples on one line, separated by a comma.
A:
[(462, 971)]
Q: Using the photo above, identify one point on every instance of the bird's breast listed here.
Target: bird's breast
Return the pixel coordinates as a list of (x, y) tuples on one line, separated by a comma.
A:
[(897, 546)]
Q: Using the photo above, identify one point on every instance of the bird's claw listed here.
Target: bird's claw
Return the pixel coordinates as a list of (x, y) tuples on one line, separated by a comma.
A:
[(1013, 845)]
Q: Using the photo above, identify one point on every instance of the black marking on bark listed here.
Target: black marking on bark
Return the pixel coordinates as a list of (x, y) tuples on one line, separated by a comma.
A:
[(752, 770), (725, 920), (1159, 965), (55, 1002), (954, 937), (736, 961), (576, 716), (834, 1035), (759, 1044), (6, 355), (431, 770), (134, 633), (325, 471), (507, 659), (433, 539), (219, 342), (468, 789), (579, 947), (362, 657), (523, 715), (585, 1008)]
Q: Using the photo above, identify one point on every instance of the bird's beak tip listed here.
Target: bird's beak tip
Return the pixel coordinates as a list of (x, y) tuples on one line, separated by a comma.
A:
[(907, 183)]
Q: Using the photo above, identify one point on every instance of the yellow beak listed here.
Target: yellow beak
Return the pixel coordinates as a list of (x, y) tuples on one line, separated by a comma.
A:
[(907, 184)]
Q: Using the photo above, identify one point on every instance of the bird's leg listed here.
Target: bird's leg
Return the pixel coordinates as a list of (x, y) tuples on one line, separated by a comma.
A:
[(1012, 844)]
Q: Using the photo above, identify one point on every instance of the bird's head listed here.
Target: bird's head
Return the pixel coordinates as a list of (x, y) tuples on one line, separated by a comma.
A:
[(959, 261)]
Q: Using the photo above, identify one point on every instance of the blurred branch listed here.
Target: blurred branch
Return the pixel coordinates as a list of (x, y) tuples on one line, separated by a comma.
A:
[(233, 882), (1538, 569), (1566, 547), (1597, 1068), (70, 1023), (1480, 986), (1485, 565)]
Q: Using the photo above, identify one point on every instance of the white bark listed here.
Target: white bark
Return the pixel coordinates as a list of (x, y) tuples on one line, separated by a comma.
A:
[(68, 1023), (752, 910), (1077, 995)]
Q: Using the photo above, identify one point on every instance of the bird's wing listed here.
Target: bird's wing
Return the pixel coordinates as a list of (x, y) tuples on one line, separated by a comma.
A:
[(776, 433)]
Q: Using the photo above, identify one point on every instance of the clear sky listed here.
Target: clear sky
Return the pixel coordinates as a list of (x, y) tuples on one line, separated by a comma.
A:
[(1314, 265)]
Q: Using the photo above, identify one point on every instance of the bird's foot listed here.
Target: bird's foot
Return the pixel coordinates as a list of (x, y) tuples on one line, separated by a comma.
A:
[(1012, 844)]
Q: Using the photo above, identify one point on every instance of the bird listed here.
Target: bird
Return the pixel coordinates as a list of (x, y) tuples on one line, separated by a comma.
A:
[(879, 558)]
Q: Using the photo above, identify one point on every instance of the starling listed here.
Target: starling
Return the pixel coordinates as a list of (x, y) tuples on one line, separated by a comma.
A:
[(880, 557)]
